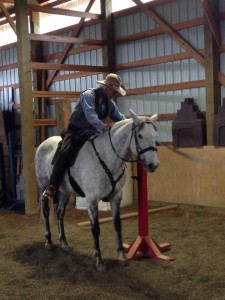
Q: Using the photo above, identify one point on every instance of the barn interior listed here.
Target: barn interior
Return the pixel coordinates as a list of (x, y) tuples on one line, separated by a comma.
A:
[(169, 55)]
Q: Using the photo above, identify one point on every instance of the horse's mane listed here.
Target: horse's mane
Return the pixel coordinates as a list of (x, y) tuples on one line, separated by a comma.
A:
[(126, 121), (121, 123)]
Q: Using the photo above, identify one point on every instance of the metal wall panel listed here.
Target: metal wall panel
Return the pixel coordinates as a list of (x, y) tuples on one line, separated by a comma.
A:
[(164, 73), (222, 5)]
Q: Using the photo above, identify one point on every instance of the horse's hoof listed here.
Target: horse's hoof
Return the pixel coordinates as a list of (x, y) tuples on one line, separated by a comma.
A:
[(65, 245), (122, 259), (49, 246), (101, 267)]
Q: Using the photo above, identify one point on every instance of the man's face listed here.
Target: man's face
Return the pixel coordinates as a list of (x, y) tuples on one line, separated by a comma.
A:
[(110, 93)]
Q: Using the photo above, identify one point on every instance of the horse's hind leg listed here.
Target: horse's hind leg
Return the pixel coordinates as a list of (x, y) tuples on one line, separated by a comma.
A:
[(45, 210), (115, 208), (63, 201), (95, 228)]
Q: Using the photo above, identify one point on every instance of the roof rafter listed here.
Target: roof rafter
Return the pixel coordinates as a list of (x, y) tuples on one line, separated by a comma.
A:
[(211, 21), (64, 12)]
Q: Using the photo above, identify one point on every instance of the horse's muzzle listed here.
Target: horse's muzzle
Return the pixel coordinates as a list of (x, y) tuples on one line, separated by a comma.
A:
[(151, 167)]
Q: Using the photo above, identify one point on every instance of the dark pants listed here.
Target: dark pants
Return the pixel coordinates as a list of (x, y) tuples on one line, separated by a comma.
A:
[(73, 139)]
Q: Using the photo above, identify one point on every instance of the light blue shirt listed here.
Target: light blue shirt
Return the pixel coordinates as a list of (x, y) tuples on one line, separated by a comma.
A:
[(87, 101)]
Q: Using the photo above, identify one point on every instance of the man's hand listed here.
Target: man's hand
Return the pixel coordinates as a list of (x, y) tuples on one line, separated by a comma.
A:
[(108, 126)]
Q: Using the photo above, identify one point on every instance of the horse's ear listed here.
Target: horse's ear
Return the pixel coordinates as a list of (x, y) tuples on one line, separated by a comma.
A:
[(154, 117), (135, 117)]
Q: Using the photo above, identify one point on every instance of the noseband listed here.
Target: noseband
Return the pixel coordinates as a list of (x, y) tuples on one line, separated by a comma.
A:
[(140, 151)]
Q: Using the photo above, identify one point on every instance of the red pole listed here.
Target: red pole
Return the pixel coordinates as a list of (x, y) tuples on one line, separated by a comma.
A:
[(142, 201)]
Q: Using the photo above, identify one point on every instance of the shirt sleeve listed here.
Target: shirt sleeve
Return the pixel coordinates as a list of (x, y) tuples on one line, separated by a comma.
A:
[(115, 114), (88, 104)]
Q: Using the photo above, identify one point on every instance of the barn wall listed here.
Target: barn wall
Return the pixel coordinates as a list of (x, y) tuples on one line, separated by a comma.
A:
[(179, 71), (190, 176)]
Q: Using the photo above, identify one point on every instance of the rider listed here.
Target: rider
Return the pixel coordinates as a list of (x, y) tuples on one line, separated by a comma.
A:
[(93, 106)]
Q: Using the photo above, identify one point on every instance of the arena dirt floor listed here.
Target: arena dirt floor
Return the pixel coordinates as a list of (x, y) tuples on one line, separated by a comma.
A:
[(28, 271)]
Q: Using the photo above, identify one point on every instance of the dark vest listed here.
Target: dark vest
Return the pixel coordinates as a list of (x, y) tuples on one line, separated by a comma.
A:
[(102, 108)]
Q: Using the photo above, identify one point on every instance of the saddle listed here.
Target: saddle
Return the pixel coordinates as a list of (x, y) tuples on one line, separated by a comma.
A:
[(81, 139)]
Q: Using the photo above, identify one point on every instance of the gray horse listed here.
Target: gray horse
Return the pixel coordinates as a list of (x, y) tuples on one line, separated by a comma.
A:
[(99, 170)]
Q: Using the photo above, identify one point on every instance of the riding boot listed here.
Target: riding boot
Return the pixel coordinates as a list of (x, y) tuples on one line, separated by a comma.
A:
[(49, 191)]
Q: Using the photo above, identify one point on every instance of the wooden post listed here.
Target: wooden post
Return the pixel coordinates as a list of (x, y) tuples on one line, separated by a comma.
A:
[(212, 67), (26, 99), (107, 34), (62, 111)]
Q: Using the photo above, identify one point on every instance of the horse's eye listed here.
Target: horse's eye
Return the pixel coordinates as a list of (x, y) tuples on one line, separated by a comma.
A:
[(140, 136)]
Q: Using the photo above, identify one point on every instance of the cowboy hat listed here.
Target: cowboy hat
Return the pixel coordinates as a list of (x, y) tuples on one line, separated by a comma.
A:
[(114, 82)]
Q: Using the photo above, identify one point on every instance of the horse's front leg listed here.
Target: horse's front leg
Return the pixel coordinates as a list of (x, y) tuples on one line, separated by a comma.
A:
[(45, 211), (95, 228), (63, 201), (115, 208)]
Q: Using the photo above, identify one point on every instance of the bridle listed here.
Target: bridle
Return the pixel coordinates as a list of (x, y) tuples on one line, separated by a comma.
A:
[(139, 150)]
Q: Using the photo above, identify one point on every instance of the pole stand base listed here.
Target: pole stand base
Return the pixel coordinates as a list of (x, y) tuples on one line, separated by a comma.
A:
[(145, 246)]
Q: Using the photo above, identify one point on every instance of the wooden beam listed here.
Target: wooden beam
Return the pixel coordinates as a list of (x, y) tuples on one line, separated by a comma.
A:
[(167, 87), (158, 31), (74, 75), (71, 52), (55, 94), (61, 39), (155, 60), (68, 46), (130, 215), (108, 56), (211, 21), (212, 76), (49, 66), (64, 12), (26, 100), (52, 4), (45, 122), (7, 15)]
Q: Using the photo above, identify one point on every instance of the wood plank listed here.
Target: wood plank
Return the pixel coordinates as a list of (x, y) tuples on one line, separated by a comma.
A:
[(64, 12), (55, 94), (61, 39), (155, 60), (71, 52), (167, 87), (49, 66), (25, 81), (74, 75), (44, 122), (157, 31)]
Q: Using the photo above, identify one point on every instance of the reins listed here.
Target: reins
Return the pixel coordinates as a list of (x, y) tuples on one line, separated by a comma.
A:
[(140, 151), (113, 182)]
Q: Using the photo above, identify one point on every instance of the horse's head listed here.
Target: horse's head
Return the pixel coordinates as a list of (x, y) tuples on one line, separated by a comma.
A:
[(143, 143)]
